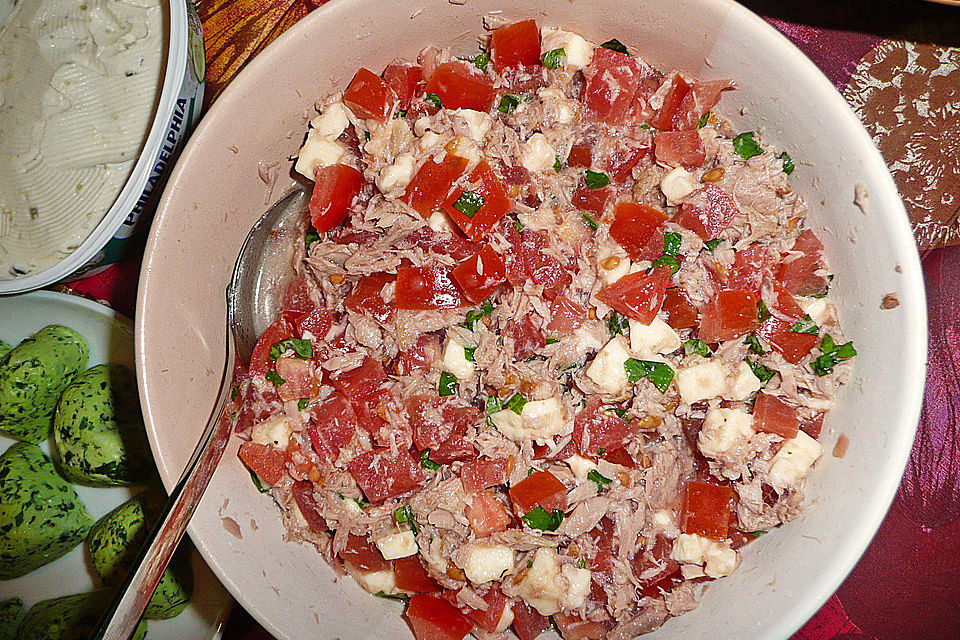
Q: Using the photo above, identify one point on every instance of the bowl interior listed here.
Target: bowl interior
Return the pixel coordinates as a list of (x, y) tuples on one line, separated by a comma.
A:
[(216, 193)]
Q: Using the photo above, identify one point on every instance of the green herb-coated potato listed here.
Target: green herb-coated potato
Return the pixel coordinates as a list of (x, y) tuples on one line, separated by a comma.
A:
[(41, 517), (35, 374), (114, 541), (98, 430), (4, 350), (11, 613), (68, 618)]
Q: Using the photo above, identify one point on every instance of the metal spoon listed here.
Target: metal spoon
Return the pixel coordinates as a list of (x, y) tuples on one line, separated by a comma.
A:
[(254, 300)]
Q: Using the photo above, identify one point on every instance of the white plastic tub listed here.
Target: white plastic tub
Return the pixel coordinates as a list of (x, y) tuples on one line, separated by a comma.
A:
[(181, 98)]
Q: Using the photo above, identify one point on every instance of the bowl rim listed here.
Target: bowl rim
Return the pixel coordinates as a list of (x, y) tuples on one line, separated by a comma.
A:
[(912, 297)]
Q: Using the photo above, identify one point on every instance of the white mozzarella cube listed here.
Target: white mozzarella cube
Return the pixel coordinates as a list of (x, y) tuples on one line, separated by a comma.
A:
[(397, 544), (421, 127), (580, 466), (506, 619), (455, 360), (537, 154), (396, 175), (578, 52), (743, 385), (440, 221), (557, 106), (476, 123), (656, 337), (486, 562), (606, 370), (510, 424), (792, 462), (318, 152), (677, 184), (384, 581), (722, 430), (544, 419), (549, 587), (332, 122), (718, 559), (702, 381), (465, 148), (689, 548), (816, 308), (617, 268), (274, 432)]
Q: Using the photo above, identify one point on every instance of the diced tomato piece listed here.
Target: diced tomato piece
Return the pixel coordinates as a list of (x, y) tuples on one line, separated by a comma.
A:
[(812, 426), (451, 244), (296, 301), (528, 624), (303, 495), (515, 45), (430, 425), (596, 429), (637, 295), (297, 378), (541, 267), (382, 474), (489, 618), (527, 338), (368, 96), (481, 274), (334, 423), (612, 80), (792, 345), (260, 358), (773, 415), (516, 268), (433, 618), (573, 627), (672, 100), (486, 514), (634, 224), (453, 448), (566, 316), (267, 462), (404, 79), (681, 314), (581, 155), (620, 457), (684, 148), (432, 287), (360, 381), (729, 315), (658, 559), (709, 213), (412, 577), (460, 85), (367, 410), (702, 97), (363, 556), (367, 296), (335, 188), (432, 183), (749, 269), (483, 474), (602, 536), (800, 276), (619, 164), (421, 356), (539, 488), (318, 323), (706, 510), (593, 201), (495, 205)]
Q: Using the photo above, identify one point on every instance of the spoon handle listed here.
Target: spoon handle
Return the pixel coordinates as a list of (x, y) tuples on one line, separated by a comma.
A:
[(121, 618)]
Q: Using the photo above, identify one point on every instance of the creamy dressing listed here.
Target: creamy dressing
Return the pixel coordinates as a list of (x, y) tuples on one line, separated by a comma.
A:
[(79, 84)]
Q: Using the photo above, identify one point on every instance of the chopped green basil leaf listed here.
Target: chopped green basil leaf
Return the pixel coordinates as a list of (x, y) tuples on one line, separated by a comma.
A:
[(595, 179), (754, 343), (763, 313), (763, 373), (805, 325), (593, 224), (360, 502), (515, 403), (694, 345), (426, 462), (620, 412), (581, 563), (601, 451), (302, 348), (367, 135), (261, 486), (788, 165), (646, 126), (553, 58), (618, 323), (311, 237), (468, 354), (234, 392), (757, 534), (531, 471), (745, 146), (614, 45), (473, 315), (509, 102), (482, 60), (433, 99), (302, 404), (601, 481), (704, 119), (400, 597), (538, 518), (671, 243), (448, 384), (556, 164), (274, 377), (494, 404), (658, 373), (469, 203), (518, 226), (832, 354), (667, 261), (553, 340), (712, 244), (405, 514)]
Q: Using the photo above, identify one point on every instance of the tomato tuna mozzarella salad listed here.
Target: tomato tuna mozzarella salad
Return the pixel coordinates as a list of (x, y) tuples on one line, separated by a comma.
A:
[(560, 343)]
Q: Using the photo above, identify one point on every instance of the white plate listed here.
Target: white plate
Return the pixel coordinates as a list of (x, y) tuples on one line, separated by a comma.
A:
[(110, 336)]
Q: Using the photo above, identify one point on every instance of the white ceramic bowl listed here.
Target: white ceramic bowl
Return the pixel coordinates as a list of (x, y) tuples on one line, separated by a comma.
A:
[(215, 194)]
